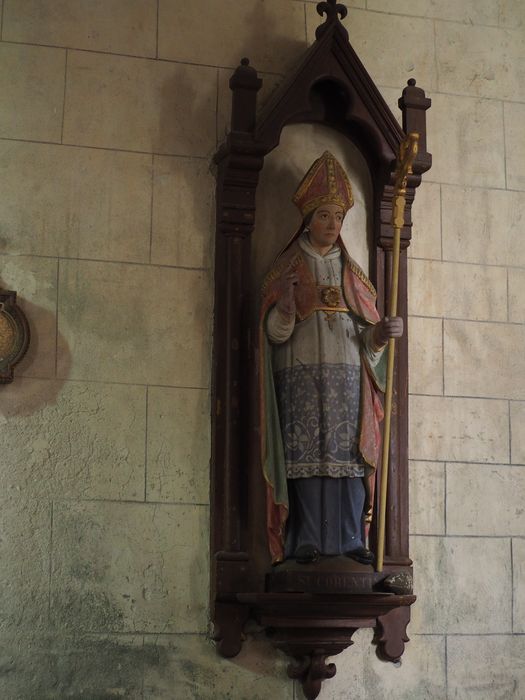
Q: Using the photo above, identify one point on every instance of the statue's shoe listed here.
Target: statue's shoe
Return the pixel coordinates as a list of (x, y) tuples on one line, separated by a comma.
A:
[(306, 554), (361, 554)]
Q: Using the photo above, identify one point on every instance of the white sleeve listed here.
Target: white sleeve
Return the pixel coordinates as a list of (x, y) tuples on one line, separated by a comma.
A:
[(373, 353), (278, 327)]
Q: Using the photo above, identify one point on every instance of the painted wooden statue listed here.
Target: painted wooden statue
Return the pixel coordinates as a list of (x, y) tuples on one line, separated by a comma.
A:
[(322, 365)]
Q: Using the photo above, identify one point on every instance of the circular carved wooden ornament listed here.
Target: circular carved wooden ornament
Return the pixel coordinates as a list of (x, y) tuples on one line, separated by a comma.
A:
[(14, 335)]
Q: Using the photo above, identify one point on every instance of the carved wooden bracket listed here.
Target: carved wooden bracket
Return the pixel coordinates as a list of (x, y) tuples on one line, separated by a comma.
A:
[(312, 670), (312, 611), (311, 628), (14, 335)]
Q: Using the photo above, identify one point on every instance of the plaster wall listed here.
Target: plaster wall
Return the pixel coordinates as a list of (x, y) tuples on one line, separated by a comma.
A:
[(110, 111)]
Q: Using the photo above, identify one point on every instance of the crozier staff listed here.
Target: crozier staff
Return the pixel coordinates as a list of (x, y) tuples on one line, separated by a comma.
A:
[(322, 366)]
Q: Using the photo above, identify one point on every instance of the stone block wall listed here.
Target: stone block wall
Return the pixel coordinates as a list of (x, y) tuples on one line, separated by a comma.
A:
[(110, 111)]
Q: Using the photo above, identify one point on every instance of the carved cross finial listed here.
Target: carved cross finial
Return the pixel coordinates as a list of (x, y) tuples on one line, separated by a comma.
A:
[(332, 9)]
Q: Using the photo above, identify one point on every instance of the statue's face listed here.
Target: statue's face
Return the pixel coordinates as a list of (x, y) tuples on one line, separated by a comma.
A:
[(325, 225)]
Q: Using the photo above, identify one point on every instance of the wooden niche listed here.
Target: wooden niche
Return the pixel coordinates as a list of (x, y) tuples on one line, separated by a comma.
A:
[(308, 611)]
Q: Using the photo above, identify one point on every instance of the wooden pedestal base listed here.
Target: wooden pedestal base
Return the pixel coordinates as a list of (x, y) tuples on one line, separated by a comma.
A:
[(311, 613)]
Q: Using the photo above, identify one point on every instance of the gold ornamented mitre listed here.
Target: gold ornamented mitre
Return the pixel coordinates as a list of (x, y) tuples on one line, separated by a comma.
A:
[(325, 183)]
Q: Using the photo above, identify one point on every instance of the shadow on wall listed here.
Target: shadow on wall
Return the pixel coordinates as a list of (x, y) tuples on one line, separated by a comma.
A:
[(38, 362), (172, 131), (279, 45), (180, 138)]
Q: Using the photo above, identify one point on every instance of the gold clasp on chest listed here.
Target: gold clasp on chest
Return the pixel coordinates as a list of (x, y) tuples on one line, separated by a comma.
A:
[(332, 300), (331, 296)]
